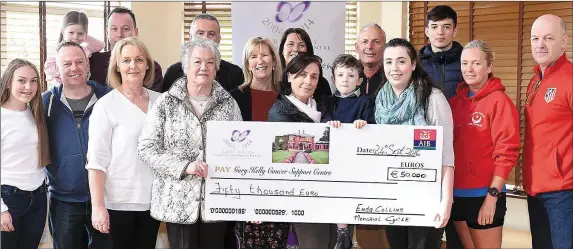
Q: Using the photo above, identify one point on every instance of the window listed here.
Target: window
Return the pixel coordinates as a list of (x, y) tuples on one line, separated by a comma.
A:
[(22, 36), (222, 10), (505, 26), (20, 28)]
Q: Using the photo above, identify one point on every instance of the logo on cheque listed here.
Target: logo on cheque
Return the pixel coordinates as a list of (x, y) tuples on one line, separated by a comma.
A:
[(238, 136), (424, 139), (288, 12)]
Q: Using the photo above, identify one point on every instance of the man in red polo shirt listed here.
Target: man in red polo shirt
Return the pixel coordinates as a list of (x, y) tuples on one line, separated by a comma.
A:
[(548, 149)]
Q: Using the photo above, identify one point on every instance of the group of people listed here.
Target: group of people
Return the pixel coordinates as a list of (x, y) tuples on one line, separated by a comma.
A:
[(144, 161)]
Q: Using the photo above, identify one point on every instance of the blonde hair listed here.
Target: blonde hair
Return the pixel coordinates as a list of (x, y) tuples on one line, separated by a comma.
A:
[(482, 46), (114, 76), (250, 47), (36, 106)]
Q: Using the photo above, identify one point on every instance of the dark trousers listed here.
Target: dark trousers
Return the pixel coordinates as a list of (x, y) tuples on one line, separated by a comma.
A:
[(551, 219), (196, 236), (133, 229), (230, 238), (28, 210), (69, 220), (313, 235), (410, 237)]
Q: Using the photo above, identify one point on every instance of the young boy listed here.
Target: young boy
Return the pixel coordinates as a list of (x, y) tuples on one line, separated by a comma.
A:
[(346, 106)]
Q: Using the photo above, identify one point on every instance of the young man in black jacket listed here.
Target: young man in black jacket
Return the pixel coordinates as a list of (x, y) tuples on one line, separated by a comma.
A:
[(441, 58), (230, 76)]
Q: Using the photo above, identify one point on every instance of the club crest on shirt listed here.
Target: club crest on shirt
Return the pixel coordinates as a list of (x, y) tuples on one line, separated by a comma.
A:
[(477, 119), (550, 94)]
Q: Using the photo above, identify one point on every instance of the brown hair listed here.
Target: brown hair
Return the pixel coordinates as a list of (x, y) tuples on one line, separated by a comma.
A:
[(297, 65), (250, 47), (72, 18), (36, 106), (347, 61), (114, 76)]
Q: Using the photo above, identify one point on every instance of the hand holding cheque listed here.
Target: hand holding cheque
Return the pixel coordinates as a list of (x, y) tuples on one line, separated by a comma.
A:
[(294, 172)]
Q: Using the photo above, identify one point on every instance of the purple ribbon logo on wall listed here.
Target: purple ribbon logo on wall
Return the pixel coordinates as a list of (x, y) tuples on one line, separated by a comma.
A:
[(287, 12)]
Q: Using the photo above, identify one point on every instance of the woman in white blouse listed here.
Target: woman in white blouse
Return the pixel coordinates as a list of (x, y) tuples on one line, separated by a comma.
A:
[(24, 156), (408, 98), (115, 170)]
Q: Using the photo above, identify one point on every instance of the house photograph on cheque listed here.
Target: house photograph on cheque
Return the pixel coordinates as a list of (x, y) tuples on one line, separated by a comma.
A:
[(302, 147)]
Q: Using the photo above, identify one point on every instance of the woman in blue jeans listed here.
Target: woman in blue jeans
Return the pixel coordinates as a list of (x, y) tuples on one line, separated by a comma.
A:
[(24, 156)]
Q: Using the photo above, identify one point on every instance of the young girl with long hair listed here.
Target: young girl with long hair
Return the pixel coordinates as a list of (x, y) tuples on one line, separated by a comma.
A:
[(75, 29), (24, 155)]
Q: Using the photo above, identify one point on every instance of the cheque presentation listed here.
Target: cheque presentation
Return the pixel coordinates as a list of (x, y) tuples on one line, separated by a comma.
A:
[(300, 172)]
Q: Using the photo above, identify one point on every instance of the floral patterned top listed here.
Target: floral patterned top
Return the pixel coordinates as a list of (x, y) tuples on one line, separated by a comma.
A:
[(267, 235)]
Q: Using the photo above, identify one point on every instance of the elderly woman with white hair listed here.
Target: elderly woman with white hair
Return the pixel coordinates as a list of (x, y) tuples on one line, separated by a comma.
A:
[(172, 143)]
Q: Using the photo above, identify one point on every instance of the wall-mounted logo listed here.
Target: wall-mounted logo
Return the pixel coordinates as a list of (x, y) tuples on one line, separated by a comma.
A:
[(238, 136), (287, 12), (477, 119)]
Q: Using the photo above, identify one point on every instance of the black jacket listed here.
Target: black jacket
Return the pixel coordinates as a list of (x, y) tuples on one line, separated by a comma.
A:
[(372, 84), (229, 75), (443, 67), (285, 111), (245, 102)]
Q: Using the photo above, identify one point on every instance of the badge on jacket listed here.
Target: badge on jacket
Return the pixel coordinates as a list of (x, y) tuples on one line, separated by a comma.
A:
[(550, 94)]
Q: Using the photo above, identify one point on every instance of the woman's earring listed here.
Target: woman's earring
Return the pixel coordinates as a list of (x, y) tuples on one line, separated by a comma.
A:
[(89, 74)]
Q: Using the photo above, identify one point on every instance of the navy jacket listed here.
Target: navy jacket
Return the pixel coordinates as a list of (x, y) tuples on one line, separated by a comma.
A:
[(443, 67), (349, 109), (67, 175)]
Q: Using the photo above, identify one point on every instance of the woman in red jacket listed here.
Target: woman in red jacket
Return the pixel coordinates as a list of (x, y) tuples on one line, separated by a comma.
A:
[(486, 147)]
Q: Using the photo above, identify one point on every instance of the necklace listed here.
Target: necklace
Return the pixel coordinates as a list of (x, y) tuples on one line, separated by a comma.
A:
[(201, 100), (133, 97)]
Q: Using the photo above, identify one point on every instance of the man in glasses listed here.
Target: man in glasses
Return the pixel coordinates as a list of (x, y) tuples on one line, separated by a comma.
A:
[(548, 146)]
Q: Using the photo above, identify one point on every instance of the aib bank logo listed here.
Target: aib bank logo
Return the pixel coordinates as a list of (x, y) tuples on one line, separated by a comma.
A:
[(287, 12)]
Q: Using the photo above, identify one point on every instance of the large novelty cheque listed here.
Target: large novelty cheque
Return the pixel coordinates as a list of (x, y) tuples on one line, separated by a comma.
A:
[(300, 172)]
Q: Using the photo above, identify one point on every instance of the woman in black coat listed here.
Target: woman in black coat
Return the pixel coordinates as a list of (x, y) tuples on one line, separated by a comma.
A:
[(296, 104)]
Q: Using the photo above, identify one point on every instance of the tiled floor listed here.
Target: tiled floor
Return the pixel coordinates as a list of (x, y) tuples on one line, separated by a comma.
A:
[(511, 239)]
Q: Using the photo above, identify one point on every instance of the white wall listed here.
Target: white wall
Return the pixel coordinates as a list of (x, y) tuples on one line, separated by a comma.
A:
[(391, 16), (161, 33)]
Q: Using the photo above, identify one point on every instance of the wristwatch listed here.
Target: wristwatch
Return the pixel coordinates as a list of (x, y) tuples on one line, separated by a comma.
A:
[(493, 191)]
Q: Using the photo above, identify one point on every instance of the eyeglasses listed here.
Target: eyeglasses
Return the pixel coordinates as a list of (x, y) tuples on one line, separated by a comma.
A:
[(531, 94)]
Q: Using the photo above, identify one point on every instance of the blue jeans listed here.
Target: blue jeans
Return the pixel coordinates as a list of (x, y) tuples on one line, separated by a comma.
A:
[(551, 219), (28, 210), (69, 220)]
